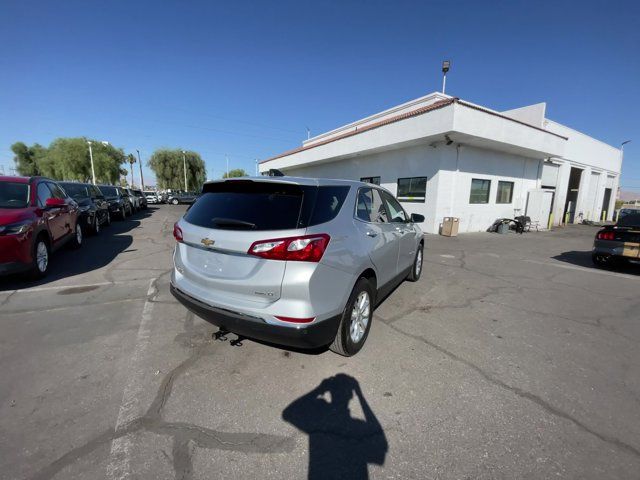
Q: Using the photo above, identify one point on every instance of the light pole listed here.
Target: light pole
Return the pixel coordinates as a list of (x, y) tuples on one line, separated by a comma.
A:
[(446, 64), (184, 164), (93, 171), (140, 164)]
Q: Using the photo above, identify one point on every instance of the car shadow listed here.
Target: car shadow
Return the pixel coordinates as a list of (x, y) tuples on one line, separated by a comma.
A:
[(583, 259), (96, 252), (340, 446)]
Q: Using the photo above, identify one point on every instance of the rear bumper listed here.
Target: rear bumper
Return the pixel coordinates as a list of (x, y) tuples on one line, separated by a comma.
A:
[(314, 335)]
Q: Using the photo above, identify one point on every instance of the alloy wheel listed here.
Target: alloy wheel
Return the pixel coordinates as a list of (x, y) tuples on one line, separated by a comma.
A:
[(42, 256), (360, 317)]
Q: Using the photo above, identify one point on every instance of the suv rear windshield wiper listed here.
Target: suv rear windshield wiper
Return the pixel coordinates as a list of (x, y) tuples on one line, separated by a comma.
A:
[(231, 222)]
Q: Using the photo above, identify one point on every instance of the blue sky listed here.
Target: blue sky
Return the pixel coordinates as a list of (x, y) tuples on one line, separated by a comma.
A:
[(245, 79)]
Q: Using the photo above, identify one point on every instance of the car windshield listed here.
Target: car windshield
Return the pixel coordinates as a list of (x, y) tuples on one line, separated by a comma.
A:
[(76, 190), (630, 220), (150, 193), (14, 195), (109, 191)]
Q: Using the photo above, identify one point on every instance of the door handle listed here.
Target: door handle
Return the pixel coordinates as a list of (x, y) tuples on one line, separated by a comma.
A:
[(371, 233)]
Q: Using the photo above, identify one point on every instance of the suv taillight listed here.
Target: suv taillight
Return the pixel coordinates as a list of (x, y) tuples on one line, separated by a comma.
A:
[(177, 233), (308, 248), (606, 235)]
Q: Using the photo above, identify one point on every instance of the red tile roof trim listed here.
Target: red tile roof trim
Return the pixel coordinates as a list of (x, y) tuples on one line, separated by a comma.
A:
[(356, 131), (413, 113)]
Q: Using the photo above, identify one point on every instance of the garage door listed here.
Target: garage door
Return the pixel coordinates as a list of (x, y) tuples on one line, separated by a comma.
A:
[(550, 175), (590, 205)]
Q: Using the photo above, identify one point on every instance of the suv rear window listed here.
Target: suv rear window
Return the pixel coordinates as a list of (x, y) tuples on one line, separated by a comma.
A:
[(250, 205)]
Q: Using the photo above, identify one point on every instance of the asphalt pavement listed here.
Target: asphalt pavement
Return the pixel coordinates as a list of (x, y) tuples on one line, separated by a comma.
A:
[(511, 358)]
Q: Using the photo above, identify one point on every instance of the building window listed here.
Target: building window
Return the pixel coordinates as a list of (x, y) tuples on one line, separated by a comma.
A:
[(374, 180), (505, 192), (480, 191), (413, 189)]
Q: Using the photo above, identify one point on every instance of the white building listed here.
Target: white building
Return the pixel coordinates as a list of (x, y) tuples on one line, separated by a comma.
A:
[(445, 157)]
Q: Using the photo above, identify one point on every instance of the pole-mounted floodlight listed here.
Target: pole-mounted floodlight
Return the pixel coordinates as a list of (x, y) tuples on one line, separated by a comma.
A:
[(446, 65)]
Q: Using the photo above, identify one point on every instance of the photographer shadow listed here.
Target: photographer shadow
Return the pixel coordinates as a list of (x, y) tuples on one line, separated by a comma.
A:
[(340, 446)]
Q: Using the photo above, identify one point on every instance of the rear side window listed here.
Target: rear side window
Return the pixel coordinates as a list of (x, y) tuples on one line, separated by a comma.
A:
[(369, 206), (329, 201)]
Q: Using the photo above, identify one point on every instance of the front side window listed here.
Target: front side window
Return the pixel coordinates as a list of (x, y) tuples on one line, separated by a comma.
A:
[(505, 192), (374, 180), (43, 194), (395, 210), (479, 191), (369, 206), (412, 189)]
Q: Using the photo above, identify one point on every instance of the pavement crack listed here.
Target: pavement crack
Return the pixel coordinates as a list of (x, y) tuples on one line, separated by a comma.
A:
[(546, 406)]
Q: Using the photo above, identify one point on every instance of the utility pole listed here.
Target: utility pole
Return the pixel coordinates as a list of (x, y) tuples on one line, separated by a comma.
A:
[(93, 171), (446, 65), (184, 164), (140, 164)]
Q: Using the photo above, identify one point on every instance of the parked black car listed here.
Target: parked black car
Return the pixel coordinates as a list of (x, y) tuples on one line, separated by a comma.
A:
[(182, 197), (618, 243), (93, 207), (142, 198), (119, 202)]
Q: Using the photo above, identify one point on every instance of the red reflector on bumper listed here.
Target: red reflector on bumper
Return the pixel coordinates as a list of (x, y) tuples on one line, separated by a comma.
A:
[(295, 320)]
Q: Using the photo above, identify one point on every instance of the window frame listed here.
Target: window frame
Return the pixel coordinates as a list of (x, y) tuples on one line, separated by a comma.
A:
[(513, 185), (488, 197), (411, 198)]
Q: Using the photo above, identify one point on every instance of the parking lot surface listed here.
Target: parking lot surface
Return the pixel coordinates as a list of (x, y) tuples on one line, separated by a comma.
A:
[(512, 357)]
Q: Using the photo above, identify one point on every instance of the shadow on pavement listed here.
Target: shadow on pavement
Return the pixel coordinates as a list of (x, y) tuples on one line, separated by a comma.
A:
[(583, 259), (340, 446), (96, 252)]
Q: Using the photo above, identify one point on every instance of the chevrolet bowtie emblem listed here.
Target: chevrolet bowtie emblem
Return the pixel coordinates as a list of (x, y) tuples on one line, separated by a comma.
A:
[(207, 242)]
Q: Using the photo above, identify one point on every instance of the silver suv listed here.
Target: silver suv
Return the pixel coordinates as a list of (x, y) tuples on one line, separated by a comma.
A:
[(294, 261)]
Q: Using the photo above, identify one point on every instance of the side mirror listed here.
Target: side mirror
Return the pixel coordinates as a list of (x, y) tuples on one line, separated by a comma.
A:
[(417, 218), (55, 203)]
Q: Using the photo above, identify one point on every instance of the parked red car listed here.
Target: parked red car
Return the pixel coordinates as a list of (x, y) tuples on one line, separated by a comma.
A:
[(36, 218)]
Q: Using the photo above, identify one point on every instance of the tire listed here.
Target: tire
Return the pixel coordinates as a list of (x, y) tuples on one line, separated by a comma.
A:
[(108, 219), (416, 268), (175, 201), (96, 225), (40, 266), (123, 213), (78, 237), (351, 333)]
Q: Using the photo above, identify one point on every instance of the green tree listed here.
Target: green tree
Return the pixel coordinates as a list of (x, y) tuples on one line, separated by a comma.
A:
[(236, 172), (168, 166), (27, 158), (68, 159)]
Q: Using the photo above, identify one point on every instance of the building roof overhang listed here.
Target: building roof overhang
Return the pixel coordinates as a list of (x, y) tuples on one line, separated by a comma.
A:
[(436, 119)]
